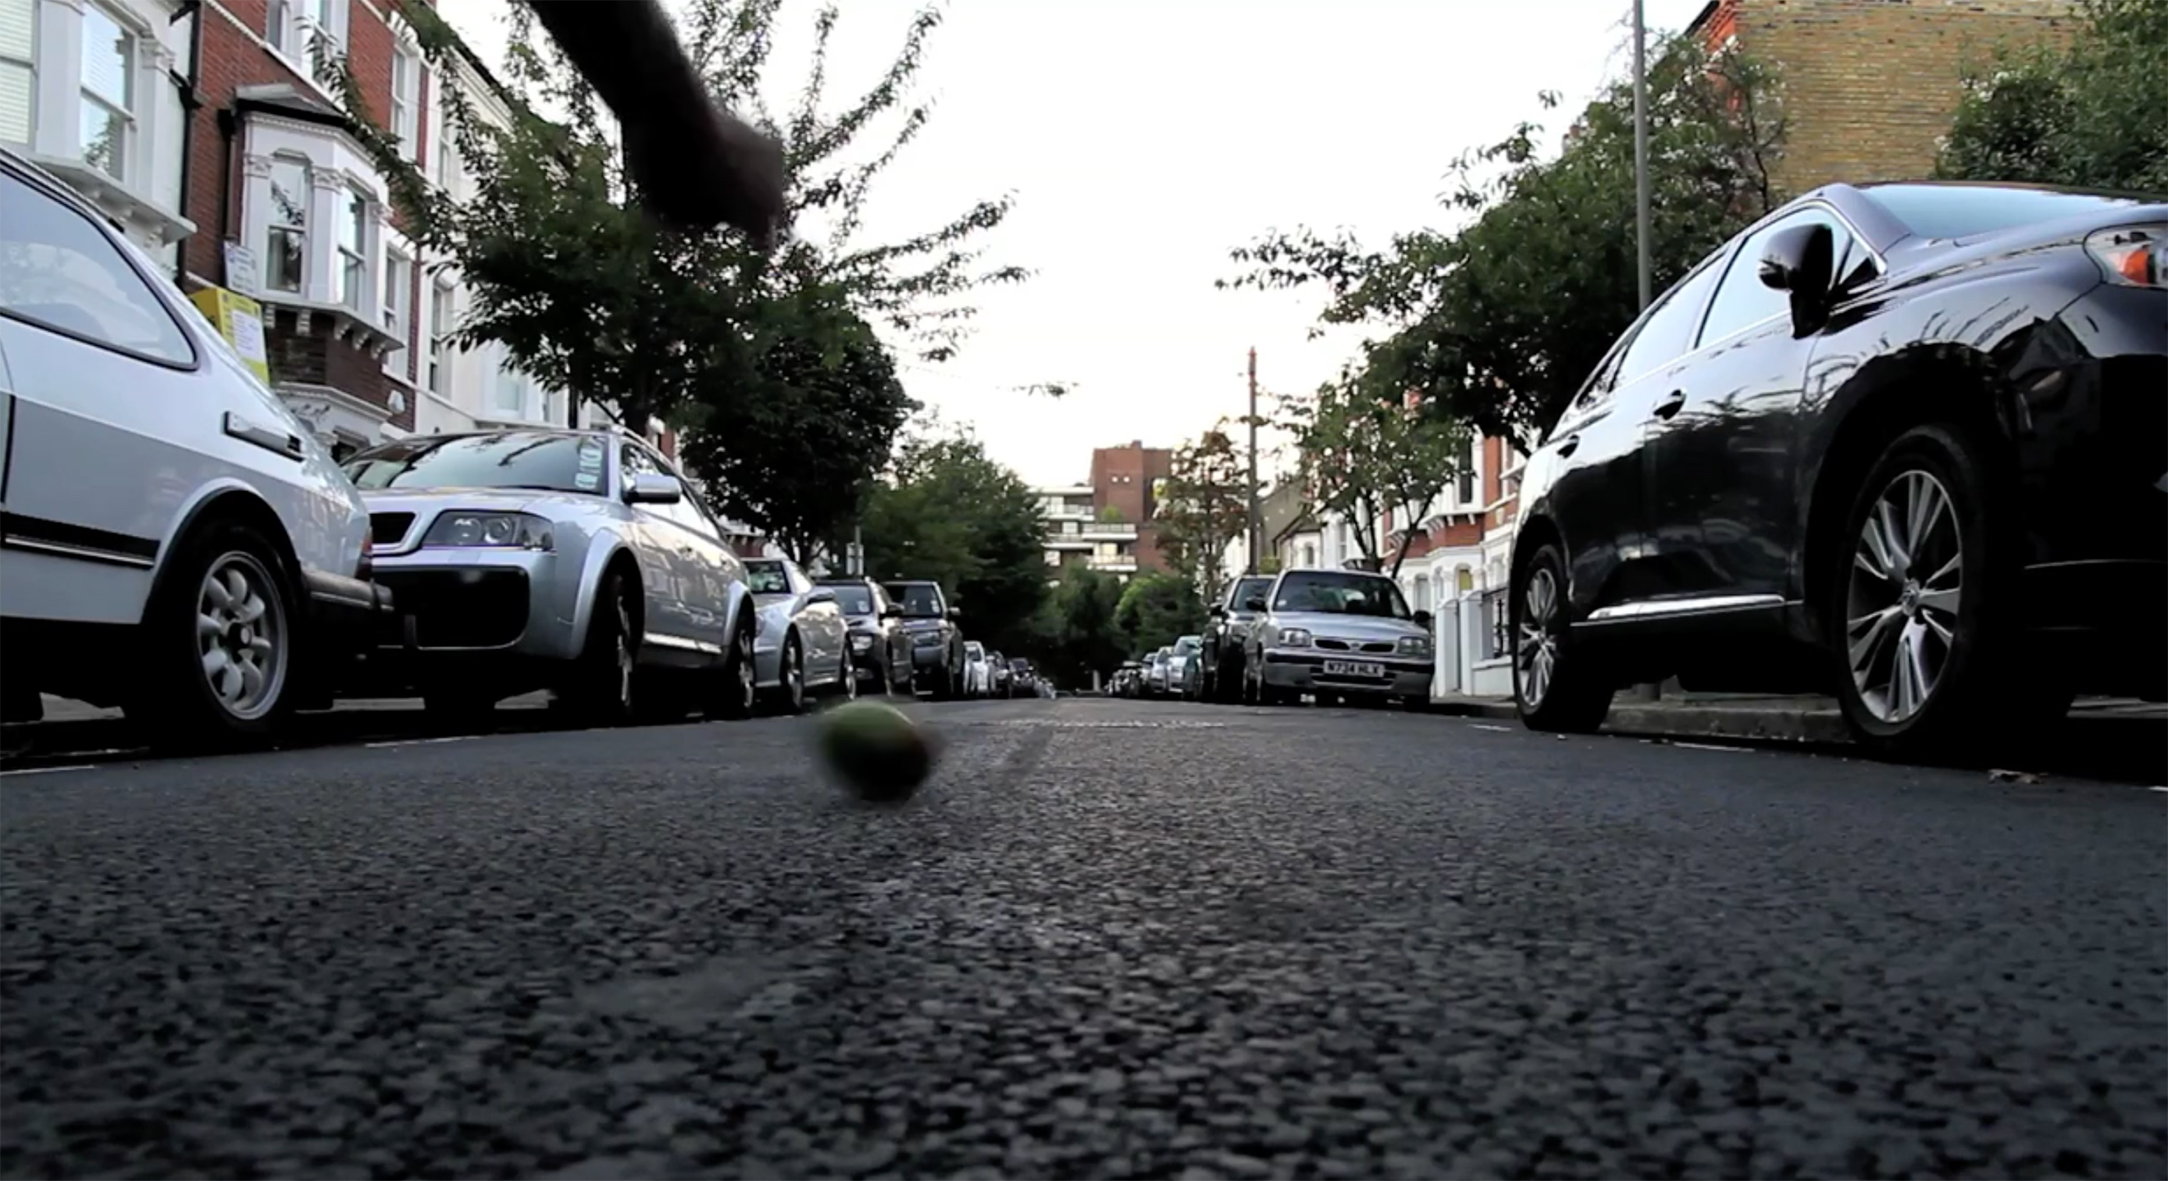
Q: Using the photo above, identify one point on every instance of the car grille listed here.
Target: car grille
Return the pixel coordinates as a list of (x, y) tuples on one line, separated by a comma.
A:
[(389, 528), (460, 608), (1357, 645)]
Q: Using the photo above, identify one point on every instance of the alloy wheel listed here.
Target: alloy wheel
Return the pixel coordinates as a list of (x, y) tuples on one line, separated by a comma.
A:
[(241, 635), (1905, 584), (1537, 651), (624, 654), (748, 687)]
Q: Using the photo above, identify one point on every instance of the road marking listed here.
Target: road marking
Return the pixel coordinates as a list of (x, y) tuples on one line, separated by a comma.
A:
[(421, 741), (1493, 729), (1709, 746), (93, 767)]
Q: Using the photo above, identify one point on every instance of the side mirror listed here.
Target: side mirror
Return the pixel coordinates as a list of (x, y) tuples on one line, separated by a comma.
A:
[(1254, 603), (1422, 620), (1801, 261), (821, 595), (955, 613), (1217, 613), (892, 611), (654, 488)]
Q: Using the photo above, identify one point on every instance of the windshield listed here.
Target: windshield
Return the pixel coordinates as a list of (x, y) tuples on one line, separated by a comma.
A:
[(974, 651), (1336, 593), (507, 459), (1187, 645), (1247, 589), (1963, 211), (853, 598), (920, 600), (767, 577)]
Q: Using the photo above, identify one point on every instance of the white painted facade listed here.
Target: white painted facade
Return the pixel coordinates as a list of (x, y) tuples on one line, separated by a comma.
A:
[(87, 92)]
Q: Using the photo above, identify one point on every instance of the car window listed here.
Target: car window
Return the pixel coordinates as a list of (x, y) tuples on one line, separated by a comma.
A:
[(766, 576), (501, 459), (1668, 333), (59, 271), (1337, 593), (1963, 211), (1187, 645), (1247, 589), (974, 651), (920, 600), (799, 583), (1743, 300), (853, 598)]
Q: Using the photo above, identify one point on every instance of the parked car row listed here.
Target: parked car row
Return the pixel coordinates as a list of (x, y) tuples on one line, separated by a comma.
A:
[(218, 570)]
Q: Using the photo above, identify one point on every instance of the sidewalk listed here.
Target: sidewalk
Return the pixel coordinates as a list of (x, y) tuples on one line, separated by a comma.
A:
[(1791, 719)]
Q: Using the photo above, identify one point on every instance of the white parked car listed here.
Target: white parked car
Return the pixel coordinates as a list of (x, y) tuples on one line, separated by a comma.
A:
[(173, 540), (1336, 633), (566, 560), (802, 647), (978, 670)]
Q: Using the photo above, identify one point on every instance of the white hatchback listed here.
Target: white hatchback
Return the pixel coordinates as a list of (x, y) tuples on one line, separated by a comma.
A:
[(173, 541)]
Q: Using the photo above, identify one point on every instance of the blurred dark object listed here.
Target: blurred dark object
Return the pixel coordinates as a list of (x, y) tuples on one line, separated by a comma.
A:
[(693, 164)]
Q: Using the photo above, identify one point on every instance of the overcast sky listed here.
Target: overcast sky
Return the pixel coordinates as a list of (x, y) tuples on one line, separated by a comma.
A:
[(1145, 138)]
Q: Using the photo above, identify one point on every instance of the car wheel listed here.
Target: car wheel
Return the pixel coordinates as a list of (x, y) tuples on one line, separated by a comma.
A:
[(790, 677), (734, 692), (847, 683), (1929, 648), (220, 644), (1555, 685), (600, 687)]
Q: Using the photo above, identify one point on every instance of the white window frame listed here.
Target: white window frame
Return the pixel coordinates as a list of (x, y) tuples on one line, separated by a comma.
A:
[(29, 67), (122, 152), (294, 27), (507, 381), (443, 321), (352, 279), (406, 100), (274, 227), (398, 280)]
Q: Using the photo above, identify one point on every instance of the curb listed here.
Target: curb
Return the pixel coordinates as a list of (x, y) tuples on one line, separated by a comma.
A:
[(1765, 724)]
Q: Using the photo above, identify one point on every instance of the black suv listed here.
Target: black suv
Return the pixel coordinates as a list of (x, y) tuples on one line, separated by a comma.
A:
[(880, 647), (937, 643), (1221, 657)]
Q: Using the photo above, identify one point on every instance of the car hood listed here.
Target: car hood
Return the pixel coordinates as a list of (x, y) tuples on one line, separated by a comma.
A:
[(1348, 627), (504, 500)]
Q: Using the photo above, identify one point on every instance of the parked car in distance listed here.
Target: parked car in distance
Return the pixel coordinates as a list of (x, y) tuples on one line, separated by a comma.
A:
[(1155, 672), (1219, 658), (998, 670), (1181, 667), (937, 643), (539, 558), (1344, 634), (978, 673), (801, 649), (1128, 679), (880, 648), (1902, 443), (174, 541), (1023, 678)]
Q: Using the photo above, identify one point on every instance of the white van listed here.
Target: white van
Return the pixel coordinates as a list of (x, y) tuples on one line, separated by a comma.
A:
[(173, 541)]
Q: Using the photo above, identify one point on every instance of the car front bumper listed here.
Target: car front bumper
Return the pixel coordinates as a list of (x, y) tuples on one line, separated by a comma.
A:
[(1303, 671), (471, 610)]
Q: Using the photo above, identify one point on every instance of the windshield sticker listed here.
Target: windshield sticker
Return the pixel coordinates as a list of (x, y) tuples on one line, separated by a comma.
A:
[(590, 454), (586, 481)]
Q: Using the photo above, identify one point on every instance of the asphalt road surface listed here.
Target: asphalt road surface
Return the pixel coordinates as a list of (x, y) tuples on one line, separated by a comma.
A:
[(1108, 939)]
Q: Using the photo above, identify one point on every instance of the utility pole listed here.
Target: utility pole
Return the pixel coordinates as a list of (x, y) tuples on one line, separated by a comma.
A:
[(1641, 152), (1256, 534)]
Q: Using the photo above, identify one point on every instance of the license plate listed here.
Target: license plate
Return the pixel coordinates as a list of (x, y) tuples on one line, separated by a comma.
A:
[(1353, 668)]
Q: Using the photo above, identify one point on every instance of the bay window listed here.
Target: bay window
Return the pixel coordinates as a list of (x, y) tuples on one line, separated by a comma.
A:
[(18, 69), (108, 120), (288, 244), (398, 282), (353, 241)]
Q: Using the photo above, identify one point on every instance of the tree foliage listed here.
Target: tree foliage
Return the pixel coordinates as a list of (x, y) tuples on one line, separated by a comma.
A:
[(1080, 633), (2092, 113), (948, 513), (1498, 323), (1204, 508), (1158, 609), (589, 295), (1365, 451)]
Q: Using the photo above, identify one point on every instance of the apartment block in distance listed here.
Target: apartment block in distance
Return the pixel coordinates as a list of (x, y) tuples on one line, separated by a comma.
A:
[(1107, 524)]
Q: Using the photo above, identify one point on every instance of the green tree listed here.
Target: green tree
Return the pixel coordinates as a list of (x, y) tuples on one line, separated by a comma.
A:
[(2092, 113), (1158, 609), (1365, 452), (1204, 507), (1081, 632), (587, 294), (1497, 324), (949, 513)]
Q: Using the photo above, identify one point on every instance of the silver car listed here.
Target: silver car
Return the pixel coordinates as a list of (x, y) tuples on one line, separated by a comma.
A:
[(568, 560), (1337, 633), (802, 646)]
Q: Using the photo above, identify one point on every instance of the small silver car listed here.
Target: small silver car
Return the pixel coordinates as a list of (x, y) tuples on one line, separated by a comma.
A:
[(569, 560), (802, 645), (1336, 633)]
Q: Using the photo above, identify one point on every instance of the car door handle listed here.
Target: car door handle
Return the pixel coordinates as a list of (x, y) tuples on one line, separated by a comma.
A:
[(1671, 405), (685, 551), (1570, 444), (277, 442)]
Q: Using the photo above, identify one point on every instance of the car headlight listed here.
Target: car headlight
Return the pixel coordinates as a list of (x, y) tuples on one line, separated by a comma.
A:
[(861, 641), (1295, 637), (2132, 256), (1418, 645), (489, 530)]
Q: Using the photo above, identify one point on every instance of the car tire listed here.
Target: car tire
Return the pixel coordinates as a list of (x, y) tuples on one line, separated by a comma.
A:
[(847, 683), (600, 689), (733, 693), (1939, 664), (1556, 685), (789, 695), (183, 701)]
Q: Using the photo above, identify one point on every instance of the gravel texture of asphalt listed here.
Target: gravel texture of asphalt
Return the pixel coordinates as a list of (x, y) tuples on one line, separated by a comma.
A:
[(1107, 939)]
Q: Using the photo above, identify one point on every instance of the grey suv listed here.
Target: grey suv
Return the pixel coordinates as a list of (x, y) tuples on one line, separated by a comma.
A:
[(937, 643)]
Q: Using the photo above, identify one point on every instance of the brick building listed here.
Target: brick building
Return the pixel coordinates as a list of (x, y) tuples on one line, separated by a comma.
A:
[(1130, 480), (1108, 524), (1870, 85)]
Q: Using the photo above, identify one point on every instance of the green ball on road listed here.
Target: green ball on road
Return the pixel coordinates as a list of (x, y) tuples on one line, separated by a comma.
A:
[(881, 755)]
